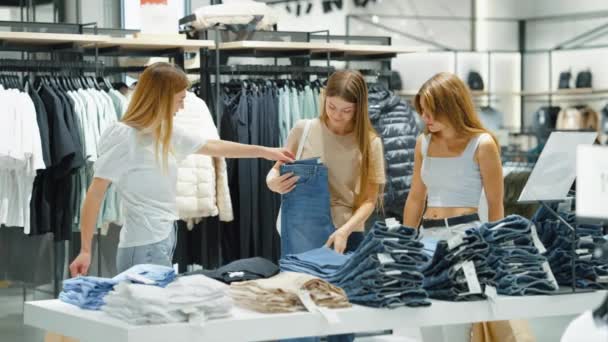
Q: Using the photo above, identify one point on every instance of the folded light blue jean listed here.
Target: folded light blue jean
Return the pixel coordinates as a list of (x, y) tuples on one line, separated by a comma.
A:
[(86, 292), (161, 275)]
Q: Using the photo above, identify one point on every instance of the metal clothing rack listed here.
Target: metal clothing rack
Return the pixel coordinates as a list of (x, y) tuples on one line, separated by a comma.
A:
[(68, 57)]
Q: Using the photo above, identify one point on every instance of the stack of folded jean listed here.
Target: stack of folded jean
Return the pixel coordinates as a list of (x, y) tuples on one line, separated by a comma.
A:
[(382, 272), (321, 262), (188, 299), (591, 269), (282, 293), (514, 254), (88, 292), (458, 269)]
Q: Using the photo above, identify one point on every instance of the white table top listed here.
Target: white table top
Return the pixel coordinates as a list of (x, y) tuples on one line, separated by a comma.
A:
[(93, 326)]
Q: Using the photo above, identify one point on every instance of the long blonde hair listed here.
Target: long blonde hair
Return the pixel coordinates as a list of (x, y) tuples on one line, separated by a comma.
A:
[(351, 87), (448, 98), (151, 106)]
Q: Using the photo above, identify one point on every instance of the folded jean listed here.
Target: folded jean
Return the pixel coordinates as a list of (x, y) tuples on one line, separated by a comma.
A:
[(509, 228), (161, 275), (380, 300), (455, 295)]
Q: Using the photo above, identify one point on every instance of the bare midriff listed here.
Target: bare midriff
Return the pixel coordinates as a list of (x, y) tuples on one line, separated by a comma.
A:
[(433, 213)]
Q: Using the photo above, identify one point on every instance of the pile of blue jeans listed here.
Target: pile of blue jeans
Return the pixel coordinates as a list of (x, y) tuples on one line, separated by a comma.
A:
[(88, 292), (444, 276), (382, 272), (520, 267), (591, 269)]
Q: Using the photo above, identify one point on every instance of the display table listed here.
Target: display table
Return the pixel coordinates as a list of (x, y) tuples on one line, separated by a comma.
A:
[(93, 326)]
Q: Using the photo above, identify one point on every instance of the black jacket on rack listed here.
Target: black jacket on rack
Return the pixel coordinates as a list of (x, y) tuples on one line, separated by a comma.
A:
[(395, 121)]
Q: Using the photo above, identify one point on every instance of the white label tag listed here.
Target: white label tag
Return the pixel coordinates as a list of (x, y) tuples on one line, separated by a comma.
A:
[(392, 223), (602, 279), (385, 258), (389, 283), (140, 279), (394, 272), (396, 294), (236, 274), (471, 275), (549, 273), (582, 251), (536, 240), (330, 315), (455, 241), (399, 251), (311, 306), (491, 293), (586, 239), (541, 118), (585, 257)]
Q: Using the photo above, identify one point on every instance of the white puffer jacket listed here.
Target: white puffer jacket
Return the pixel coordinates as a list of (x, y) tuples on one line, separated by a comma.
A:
[(202, 181)]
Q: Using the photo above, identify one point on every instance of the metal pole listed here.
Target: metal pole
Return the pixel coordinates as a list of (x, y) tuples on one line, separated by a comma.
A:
[(473, 25), (522, 74), (550, 78), (217, 78)]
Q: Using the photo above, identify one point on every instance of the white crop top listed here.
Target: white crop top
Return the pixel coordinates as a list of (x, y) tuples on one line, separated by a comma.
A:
[(452, 181)]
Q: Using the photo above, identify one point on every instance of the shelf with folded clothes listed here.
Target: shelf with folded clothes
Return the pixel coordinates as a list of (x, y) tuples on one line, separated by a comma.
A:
[(39, 41), (565, 92), (474, 93), (62, 318), (267, 70)]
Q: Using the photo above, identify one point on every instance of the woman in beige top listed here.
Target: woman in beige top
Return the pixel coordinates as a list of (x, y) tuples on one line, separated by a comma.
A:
[(348, 145)]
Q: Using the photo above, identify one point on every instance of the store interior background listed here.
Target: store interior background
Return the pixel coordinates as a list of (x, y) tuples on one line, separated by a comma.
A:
[(495, 29)]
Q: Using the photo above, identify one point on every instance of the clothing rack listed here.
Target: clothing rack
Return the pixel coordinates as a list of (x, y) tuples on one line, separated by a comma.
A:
[(68, 50)]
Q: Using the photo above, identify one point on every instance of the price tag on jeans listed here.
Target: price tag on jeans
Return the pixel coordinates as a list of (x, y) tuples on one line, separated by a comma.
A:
[(140, 279), (392, 273), (587, 238), (491, 293), (310, 305), (392, 223), (585, 257), (385, 258), (455, 241), (602, 279), (550, 274), (582, 251), (471, 275), (536, 240)]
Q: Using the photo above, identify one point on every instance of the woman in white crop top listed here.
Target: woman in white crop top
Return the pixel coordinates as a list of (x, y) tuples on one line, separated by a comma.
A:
[(455, 159)]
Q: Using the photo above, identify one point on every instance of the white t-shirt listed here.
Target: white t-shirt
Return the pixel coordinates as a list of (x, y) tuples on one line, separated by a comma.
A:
[(148, 193), (584, 328)]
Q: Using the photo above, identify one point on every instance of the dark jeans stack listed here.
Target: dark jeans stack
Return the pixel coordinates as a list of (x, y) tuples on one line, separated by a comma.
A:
[(381, 272), (445, 277), (591, 269), (520, 268)]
